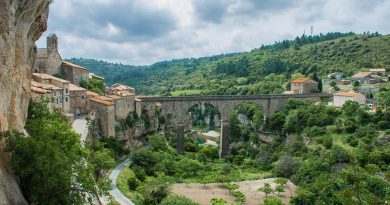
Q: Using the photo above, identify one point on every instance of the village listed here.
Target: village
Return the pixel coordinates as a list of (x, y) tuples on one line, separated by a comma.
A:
[(119, 100)]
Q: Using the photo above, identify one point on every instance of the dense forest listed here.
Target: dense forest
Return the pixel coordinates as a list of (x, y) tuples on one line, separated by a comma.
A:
[(262, 70)]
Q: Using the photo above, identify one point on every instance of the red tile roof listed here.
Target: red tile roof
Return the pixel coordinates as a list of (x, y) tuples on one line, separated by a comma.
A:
[(300, 80)]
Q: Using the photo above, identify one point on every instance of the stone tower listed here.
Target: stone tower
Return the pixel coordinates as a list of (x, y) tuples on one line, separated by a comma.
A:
[(52, 43)]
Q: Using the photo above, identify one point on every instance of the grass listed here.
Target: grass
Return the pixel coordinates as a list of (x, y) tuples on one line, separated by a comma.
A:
[(186, 92), (340, 140)]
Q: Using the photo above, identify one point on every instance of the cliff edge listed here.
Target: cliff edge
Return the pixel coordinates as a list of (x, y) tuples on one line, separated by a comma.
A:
[(22, 22)]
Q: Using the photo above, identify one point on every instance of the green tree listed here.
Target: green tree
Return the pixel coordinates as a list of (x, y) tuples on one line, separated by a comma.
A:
[(267, 189), (285, 166), (215, 201), (211, 152), (272, 201), (177, 200), (51, 163)]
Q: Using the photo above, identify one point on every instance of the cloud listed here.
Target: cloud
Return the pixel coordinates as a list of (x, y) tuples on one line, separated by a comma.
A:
[(143, 32)]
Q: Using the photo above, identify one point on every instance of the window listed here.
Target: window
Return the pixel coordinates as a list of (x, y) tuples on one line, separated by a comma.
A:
[(66, 90), (57, 101), (66, 99), (82, 97)]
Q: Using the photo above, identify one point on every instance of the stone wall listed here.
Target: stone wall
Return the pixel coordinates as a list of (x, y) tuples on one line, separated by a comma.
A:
[(78, 101), (105, 116), (123, 106)]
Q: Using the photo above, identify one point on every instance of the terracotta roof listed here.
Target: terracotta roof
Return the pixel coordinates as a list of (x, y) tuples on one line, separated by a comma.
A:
[(101, 101), (49, 77), (377, 70), (93, 75), (73, 65), (73, 87), (300, 80), (346, 94), (116, 97), (39, 90), (44, 86), (120, 87), (92, 94), (362, 75)]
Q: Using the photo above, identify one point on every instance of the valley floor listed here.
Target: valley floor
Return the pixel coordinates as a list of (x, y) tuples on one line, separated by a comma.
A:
[(202, 194)]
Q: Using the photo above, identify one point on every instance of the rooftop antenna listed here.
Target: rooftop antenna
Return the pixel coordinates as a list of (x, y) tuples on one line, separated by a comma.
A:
[(311, 30)]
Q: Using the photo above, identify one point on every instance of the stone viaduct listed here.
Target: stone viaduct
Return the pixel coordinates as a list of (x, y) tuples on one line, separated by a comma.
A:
[(177, 108)]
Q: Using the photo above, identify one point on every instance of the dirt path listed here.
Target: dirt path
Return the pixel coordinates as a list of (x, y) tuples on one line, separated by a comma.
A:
[(203, 194)]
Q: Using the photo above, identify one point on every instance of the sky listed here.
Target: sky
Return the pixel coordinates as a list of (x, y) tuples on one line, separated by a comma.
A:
[(142, 32)]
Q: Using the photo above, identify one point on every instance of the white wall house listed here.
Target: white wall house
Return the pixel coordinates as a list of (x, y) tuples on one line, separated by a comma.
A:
[(341, 97)]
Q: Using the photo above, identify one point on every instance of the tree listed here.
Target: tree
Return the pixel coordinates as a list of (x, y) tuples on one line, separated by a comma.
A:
[(177, 200), (211, 152), (155, 189), (279, 188), (158, 143), (267, 189), (281, 184), (51, 164), (215, 201), (272, 201), (285, 166)]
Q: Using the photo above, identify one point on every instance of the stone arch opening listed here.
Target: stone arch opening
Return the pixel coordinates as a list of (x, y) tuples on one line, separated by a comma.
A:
[(205, 116), (245, 120)]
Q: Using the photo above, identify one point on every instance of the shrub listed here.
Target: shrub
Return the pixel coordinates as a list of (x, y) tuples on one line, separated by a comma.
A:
[(285, 166), (327, 142), (177, 200), (133, 183), (272, 201)]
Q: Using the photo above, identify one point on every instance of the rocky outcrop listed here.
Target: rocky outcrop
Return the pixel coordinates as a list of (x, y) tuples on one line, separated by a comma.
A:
[(21, 23)]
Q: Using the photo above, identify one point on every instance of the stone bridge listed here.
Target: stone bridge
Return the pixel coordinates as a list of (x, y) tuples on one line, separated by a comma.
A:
[(178, 109)]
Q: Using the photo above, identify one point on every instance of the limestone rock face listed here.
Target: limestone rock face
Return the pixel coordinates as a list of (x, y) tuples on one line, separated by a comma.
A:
[(21, 23)]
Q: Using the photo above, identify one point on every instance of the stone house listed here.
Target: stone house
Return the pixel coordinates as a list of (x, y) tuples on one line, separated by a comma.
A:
[(378, 71), (120, 89), (336, 76), (40, 91), (73, 73), (303, 85), (62, 97), (366, 78), (105, 112), (78, 100), (341, 97), (48, 60)]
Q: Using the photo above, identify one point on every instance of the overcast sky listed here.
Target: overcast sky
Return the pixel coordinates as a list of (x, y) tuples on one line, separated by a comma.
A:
[(146, 31)]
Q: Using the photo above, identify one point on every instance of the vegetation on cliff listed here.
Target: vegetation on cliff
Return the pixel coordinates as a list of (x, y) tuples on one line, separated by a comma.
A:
[(260, 71), (52, 165), (335, 156)]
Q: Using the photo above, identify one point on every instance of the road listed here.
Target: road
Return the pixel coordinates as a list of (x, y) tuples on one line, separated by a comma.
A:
[(80, 126), (115, 192)]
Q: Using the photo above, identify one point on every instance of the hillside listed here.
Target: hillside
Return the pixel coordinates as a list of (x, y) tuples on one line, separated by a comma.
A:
[(260, 71)]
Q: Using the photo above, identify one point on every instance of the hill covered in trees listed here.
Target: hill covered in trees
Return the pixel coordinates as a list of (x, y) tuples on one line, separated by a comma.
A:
[(261, 71)]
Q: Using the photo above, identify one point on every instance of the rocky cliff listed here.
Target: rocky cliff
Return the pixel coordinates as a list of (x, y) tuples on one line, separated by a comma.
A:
[(21, 23)]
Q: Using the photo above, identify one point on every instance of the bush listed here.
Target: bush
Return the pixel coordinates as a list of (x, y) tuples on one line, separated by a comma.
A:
[(327, 142), (272, 201), (285, 166), (133, 183), (177, 200), (139, 173)]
